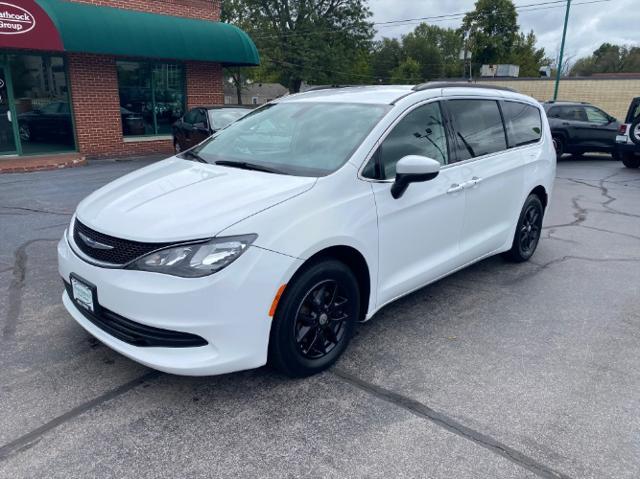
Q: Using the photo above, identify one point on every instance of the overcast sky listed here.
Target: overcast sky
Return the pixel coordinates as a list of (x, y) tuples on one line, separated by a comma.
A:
[(590, 25)]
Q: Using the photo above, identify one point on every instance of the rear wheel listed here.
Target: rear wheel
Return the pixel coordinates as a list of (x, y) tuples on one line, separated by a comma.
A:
[(558, 144), (315, 319), (630, 160), (528, 231)]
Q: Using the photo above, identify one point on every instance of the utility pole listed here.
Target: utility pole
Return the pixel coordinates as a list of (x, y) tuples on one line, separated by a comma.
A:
[(559, 66)]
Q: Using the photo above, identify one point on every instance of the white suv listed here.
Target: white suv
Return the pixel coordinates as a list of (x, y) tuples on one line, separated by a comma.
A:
[(274, 237)]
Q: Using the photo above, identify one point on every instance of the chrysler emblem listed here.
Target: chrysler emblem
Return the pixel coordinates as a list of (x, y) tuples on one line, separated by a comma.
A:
[(93, 243)]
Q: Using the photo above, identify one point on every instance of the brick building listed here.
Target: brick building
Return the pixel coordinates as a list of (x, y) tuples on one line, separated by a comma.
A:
[(107, 78)]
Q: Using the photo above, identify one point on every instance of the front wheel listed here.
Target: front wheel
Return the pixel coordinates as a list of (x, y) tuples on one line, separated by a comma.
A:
[(528, 231), (315, 319)]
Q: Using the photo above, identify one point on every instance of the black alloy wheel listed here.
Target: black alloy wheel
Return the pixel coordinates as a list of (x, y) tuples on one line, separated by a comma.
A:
[(528, 231), (315, 319), (320, 322)]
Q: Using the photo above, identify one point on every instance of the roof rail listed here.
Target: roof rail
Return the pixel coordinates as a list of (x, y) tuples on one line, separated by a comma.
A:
[(432, 85), (328, 87)]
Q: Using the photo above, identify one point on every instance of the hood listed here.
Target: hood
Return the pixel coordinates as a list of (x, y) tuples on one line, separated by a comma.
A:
[(179, 200)]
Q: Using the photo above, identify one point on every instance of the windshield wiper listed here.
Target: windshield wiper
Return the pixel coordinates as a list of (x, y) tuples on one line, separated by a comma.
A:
[(193, 155), (248, 166)]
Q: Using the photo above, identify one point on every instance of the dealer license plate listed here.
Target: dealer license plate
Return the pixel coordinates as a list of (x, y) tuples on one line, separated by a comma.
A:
[(82, 294)]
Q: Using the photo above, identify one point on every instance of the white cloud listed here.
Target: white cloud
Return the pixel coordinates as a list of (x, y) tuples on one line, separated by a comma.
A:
[(615, 21)]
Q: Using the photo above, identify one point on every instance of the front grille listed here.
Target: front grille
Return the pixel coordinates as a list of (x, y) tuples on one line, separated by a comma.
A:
[(135, 333), (123, 252)]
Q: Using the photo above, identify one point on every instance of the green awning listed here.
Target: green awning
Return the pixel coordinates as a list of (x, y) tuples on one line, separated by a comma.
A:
[(114, 31)]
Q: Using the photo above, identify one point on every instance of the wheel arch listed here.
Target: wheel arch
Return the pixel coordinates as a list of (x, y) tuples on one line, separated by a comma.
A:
[(356, 261), (541, 193)]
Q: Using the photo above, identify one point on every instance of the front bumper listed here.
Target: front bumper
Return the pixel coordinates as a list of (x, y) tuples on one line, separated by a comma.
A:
[(229, 309)]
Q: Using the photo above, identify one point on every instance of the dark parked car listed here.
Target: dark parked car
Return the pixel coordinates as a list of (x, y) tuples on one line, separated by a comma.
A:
[(132, 123), (579, 128), (201, 122), (52, 122), (628, 139)]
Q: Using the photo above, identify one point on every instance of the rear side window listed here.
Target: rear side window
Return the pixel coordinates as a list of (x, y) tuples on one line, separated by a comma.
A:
[(190, 117), (478, 128), (200, 117), (523, 123), (573, 113)]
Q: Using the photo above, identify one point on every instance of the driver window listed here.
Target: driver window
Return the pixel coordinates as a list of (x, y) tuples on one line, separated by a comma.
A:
[(420, 132)]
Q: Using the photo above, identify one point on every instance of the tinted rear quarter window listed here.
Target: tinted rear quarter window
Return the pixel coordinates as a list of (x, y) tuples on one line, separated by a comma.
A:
[(573, 113), (523, 122), (478, 128)]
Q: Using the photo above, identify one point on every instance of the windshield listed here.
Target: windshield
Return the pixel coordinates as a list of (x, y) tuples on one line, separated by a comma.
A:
[(223, 117), (297, 138)]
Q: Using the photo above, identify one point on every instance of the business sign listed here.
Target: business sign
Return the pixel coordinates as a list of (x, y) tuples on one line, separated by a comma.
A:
[(25, 25), (15, 20)]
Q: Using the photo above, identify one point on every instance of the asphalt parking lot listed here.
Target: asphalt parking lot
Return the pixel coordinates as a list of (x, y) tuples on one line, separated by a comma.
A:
[(498, 371)]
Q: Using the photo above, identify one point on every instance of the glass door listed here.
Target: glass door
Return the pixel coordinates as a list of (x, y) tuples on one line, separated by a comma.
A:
[(7, 135)]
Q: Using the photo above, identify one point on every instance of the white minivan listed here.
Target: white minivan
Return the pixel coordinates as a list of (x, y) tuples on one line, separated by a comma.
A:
[(273, 238)]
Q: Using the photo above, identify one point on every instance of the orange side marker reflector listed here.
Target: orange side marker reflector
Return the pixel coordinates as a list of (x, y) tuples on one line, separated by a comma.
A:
[(276, 300)]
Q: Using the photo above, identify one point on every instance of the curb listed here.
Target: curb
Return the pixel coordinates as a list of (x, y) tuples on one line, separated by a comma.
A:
[(29, 165)]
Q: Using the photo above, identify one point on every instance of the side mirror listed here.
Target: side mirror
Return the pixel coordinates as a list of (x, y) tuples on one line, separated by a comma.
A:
[(413, 169)]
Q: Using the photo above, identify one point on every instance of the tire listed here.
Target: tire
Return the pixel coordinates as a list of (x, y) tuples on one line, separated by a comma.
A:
[(307, 335), (559, 145), (24, 132), (634, 131), (630, 161), (528, 231)]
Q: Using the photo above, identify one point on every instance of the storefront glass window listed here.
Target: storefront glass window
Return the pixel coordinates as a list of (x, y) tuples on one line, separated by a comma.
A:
[(151, 97), (41, 99)]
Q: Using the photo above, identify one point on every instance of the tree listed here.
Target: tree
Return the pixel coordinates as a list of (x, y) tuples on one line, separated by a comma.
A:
[(408, 72), (491, 30), (527, 56), (631, 62), (608, 58), (320, 41), (385, 57)]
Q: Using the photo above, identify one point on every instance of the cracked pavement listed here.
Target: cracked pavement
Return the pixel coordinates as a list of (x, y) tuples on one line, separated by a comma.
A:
[(498, 371)]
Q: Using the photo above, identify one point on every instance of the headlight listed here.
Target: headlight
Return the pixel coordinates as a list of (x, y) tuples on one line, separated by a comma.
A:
[(195, 260), (70, 228)]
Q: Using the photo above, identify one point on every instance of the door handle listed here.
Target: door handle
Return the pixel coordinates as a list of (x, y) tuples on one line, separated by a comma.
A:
[(455, 188), (473, 182)]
